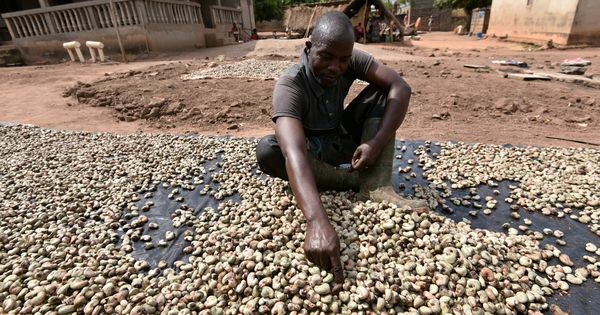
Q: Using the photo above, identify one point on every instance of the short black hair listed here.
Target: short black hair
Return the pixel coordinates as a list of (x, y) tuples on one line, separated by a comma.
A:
[(333, 26)]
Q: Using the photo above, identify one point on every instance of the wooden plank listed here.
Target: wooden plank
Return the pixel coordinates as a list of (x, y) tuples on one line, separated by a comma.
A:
[(571, 78), (364, 22), (9, 26), (529, 77), (472, 66), (572, 140), (114, 21)]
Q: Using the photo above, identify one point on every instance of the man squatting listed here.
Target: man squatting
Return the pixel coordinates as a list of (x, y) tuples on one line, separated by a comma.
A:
[(314, 133)]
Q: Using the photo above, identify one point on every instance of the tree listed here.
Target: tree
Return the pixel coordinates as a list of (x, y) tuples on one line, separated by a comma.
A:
[(468, 5), (266, 10), (389, 4)]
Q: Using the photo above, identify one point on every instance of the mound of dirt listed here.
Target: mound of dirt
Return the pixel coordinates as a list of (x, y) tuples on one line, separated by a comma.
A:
[(160, 97), (448, 101)]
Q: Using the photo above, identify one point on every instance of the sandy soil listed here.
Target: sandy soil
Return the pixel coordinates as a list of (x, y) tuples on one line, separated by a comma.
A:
[(449, 102)]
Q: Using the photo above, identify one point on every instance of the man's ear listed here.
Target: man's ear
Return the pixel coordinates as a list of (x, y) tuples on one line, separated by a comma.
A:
[(308, 44)]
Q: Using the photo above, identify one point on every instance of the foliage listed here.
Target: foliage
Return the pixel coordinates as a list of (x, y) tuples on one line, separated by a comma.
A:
[(468, 5), (411, 2), (266, 10), (388, 4)]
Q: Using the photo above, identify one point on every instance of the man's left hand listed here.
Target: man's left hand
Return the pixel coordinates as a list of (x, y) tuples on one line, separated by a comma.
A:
[(365, 155)]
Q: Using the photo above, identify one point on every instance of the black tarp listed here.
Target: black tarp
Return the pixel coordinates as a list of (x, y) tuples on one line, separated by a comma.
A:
[(579, 300)]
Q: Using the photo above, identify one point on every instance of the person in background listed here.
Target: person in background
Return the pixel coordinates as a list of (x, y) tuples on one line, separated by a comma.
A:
[(395, 31), (236, 32), (430, 22), (254, 35), (359, 32), (375, 30), (369, 31), (384, 31)]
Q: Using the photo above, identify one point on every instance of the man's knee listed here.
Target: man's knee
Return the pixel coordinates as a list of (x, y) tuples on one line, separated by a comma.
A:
[(270, 158), (266, 149)]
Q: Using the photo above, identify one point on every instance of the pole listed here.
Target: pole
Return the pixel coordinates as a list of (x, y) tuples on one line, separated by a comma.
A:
[(310, 21), (572, 140), (146, 39), (409, 11), (367, 11), (114, 21)]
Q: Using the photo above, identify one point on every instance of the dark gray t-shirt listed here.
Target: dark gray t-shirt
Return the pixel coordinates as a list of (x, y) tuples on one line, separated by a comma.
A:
[(298, 95)]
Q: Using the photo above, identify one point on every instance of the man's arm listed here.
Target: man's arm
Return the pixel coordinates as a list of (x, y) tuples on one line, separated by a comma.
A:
[(290, 135), (397, 106), (321, 244)]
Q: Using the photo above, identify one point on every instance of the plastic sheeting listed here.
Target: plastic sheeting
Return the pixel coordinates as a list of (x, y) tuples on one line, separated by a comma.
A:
[(581, 299), (161, 212)]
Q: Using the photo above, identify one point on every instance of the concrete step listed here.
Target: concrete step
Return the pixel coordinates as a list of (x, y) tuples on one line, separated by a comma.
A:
[(10, 56)]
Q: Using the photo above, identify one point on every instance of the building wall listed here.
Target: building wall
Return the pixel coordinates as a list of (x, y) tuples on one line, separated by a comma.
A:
[(220, 35), (248, 23), (586, 27), (206, 13), (44, 48), (424, 6), (12, 6), (270, 26), (537, 20), (137, 37), (160, 37), (175, 37), (480, 20)]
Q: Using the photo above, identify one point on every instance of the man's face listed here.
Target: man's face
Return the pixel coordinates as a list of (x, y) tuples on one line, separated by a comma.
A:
[(330, 60)]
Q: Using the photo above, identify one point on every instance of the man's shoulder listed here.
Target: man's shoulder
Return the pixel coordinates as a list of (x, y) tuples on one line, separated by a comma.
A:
[(359, 52), (293, 76), (293, 71), (361, 56)]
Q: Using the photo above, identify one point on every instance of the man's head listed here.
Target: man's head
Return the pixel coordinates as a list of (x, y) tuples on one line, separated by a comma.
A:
[(330, 47)]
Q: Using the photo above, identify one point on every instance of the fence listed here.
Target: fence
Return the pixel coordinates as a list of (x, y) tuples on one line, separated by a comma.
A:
[(226, 15), (96, 15)]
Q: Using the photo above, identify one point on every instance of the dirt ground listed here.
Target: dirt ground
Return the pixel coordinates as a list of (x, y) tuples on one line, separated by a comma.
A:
[(449, 101)]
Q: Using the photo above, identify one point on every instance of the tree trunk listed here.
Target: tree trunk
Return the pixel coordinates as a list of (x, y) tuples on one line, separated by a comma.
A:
[(468, 26), (469, 12)]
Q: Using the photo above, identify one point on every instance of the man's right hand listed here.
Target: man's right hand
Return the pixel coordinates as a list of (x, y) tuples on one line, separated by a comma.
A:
[(322, 247), (321, 244)]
